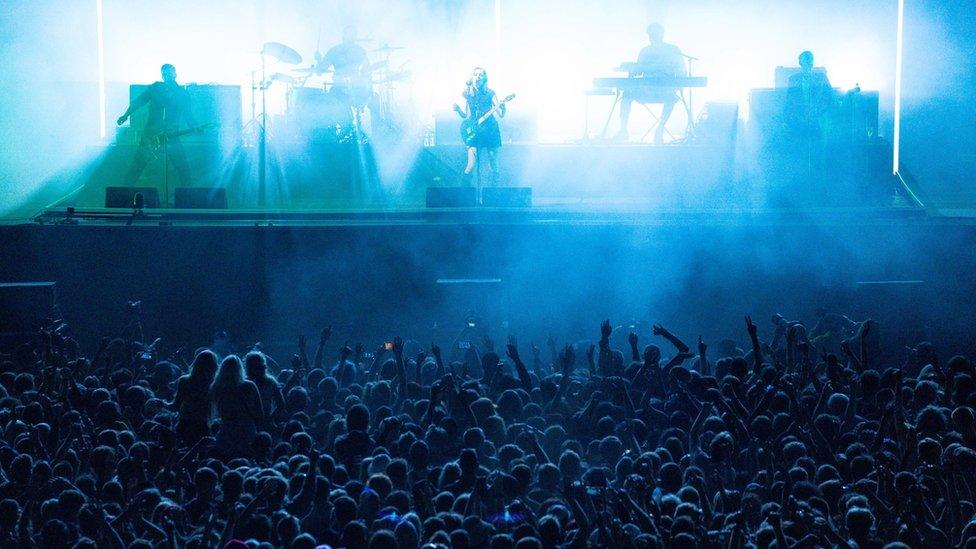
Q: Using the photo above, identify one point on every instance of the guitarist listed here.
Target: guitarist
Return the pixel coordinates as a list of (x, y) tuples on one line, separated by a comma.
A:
[(169, 105), (479, 99)]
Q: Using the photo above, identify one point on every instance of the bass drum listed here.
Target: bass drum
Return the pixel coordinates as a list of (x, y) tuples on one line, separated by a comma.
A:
[(311, 109)]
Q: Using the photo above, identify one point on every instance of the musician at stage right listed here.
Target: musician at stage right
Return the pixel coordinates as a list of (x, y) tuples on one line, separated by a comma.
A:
[(479, 99), (657, 59)]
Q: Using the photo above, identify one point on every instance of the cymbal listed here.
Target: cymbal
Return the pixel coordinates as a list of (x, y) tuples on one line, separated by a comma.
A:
[(282, 77), (386, 48), (393, 77), (281, 52), (312, 70)]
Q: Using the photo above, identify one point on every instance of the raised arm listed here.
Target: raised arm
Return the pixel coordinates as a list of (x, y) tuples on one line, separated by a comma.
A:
[(523, 373), (438, 360), (678, 344), (634, 351), (401, 368), (324, 336), (757, 357), (603, 365)]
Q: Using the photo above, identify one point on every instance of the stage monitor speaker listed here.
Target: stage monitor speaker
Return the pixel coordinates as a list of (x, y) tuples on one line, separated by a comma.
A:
[(452, 197), (25, 304), (122, 197), (212, 198), (507, 197)]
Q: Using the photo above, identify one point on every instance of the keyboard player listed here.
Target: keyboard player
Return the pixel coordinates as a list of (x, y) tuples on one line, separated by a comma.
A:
[(657, 59)]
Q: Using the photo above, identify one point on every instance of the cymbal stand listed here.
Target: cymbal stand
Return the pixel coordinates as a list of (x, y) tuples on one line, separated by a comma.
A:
[(259, 122), (690, 131)]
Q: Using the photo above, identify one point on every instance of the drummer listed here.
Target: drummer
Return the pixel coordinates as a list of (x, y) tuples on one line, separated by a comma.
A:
[(352, 81)]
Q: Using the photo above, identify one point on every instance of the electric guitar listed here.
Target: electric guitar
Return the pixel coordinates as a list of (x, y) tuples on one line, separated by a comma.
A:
[(471, 127), (157, 141)]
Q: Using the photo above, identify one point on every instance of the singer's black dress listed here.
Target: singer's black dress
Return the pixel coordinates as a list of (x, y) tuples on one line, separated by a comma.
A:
[(480, 102)]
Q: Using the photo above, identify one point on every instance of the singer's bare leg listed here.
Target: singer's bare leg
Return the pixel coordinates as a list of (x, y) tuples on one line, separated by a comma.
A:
[(493, 165), (472, 161)]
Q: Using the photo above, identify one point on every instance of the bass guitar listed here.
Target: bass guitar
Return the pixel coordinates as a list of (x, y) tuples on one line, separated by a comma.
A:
[(471, 127), (157, 141)]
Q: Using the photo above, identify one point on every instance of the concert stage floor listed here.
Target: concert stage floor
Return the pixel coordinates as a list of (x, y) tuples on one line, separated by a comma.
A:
[(580, 213)]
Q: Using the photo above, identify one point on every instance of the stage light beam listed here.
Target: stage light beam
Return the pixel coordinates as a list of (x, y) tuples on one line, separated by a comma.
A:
[(899, 46), (100, 30)]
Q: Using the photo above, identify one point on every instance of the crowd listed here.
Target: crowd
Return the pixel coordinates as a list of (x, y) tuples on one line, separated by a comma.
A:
[(793, 437)]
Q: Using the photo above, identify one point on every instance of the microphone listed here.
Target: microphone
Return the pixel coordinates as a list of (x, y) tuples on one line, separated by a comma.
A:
[(138, 203)]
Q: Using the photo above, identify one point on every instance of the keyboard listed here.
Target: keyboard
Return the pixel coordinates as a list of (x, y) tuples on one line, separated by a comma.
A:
[(645, 82)]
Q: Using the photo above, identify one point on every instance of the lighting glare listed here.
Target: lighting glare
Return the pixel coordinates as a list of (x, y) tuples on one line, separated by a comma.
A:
[(498, 36), (899, 43), (101, 69)]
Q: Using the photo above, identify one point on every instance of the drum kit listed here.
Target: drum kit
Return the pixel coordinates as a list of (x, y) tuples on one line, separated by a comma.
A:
[(320, 101)]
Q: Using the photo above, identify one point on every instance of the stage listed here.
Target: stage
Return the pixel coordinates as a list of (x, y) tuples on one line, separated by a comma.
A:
[(690, 233), (389, 175)]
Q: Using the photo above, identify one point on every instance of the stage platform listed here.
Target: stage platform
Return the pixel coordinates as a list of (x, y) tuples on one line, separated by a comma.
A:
[(270, 275), (395, 175), (556, 214)]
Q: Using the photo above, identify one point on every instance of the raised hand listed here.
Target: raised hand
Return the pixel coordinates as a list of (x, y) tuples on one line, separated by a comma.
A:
[(659, 330), (398, 347), (512, 348), (701, 347), (325, 334), (750, 327), (605, 329), (435, 350), (567, 357), (590, 352), (301, 345), (632, 339), (344, 353)]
